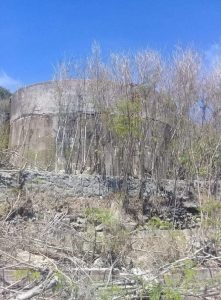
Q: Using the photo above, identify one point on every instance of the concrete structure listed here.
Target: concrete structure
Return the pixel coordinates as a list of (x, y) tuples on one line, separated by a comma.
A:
[(62, 125), (34, 118)]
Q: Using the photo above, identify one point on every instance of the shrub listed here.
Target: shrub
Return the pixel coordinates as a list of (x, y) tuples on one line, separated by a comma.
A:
[(4, 93)]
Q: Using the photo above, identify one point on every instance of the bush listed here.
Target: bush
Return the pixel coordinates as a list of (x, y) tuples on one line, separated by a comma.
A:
[(4, 93)]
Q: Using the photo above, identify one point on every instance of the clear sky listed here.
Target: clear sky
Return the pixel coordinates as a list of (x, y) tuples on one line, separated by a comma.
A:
[(35, 34)]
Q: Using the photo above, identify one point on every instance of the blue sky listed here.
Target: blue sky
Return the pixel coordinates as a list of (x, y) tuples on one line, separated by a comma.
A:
[(35, 34)]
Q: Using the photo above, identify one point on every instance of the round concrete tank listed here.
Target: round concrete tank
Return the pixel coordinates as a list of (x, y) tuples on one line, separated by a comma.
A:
[(34, 118)]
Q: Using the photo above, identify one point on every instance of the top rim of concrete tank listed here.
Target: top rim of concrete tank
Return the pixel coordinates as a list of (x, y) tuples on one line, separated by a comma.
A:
[(42, 98)]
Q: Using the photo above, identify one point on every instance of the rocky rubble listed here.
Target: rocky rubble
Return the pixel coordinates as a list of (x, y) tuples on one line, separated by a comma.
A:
[(84, 185), (172, 201)]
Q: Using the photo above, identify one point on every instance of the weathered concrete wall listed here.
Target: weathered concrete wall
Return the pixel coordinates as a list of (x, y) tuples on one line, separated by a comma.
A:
[(34, 118), (32, 123), (37, 132), (77, 143), (44, 98)]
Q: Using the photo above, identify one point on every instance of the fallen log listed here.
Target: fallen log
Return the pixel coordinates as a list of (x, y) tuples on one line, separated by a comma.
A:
[(37, 290)]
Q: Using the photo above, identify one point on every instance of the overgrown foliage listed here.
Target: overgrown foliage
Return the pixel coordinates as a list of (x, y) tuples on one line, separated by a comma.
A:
[(140, 115), (4, 93)]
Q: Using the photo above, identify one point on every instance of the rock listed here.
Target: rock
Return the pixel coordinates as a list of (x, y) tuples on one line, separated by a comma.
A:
[(130, 226), (141, 273), (81, 220), (191, 207), (99, 263), (24, 211), (78, 226), (100, 227)]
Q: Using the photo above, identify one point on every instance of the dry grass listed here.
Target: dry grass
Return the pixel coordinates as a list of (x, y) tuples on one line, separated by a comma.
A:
[(58, 239)]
